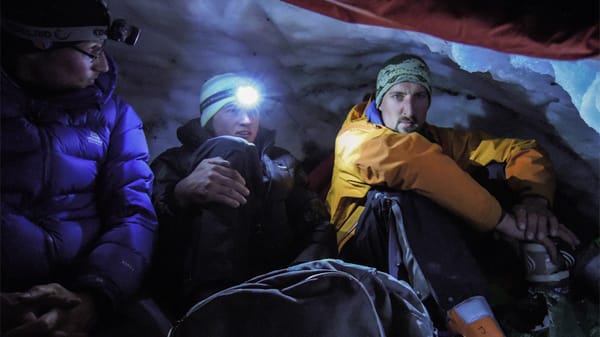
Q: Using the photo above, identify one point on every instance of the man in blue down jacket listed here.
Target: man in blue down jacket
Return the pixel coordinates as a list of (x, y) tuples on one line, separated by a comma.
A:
[(78, 226)]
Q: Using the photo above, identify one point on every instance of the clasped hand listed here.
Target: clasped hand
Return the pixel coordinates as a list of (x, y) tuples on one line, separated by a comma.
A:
[(213, 180), (47, 310), (532, 220)]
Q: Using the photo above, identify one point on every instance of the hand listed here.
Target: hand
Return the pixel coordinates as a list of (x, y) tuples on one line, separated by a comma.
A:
[(539, 222), (77, 321), (509, 228), (213, 180), (40, 310), (14, 313)]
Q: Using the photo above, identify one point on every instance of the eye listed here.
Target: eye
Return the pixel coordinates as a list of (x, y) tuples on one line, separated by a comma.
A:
[(398, 97), (233, 111), (421, 95)]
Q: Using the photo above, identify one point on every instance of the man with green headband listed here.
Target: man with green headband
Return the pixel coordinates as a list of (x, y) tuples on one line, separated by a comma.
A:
[(401, 192)]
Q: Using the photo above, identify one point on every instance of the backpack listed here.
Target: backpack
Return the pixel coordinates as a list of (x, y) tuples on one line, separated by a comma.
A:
[(323, 298)]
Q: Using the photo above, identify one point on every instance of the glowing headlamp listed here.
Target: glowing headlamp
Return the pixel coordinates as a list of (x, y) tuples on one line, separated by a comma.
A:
[(247, 96)]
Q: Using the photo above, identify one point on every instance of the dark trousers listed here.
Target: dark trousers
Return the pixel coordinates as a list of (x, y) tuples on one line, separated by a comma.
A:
[(442, 244), (434, 236)]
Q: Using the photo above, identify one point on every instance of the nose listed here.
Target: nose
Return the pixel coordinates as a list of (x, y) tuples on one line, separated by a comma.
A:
[(244, 117), (408, 107), (101, 63)]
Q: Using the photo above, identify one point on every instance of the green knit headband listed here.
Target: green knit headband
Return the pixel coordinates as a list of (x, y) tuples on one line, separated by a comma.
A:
[(403, 68)]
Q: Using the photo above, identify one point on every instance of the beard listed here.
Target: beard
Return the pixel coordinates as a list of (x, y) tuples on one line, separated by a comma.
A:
[(407, 125)]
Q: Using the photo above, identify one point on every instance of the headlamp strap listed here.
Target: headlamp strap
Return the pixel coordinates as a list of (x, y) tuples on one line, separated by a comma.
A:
[(55, 34)]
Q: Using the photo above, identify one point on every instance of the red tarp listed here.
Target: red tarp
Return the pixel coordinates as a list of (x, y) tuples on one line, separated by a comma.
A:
[(541, 28)]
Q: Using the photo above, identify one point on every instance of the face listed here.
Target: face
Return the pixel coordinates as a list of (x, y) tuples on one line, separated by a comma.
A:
[(232, 120), (404, 107), (69, 67)]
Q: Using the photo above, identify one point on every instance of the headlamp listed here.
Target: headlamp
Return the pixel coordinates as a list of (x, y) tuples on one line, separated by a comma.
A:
[(120, 31), (247, 96)]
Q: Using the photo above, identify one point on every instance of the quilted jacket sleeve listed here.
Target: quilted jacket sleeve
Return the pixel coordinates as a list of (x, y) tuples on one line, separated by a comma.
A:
[(121, 257)]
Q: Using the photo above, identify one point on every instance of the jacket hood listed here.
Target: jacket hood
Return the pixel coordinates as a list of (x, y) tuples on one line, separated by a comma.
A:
[(193, 134)]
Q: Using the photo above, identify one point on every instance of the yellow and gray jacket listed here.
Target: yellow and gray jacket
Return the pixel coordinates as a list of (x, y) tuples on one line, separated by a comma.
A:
[(434, 163)]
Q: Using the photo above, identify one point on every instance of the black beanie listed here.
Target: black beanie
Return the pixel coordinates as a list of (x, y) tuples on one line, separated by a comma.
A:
[(56, 13), (53, 24)]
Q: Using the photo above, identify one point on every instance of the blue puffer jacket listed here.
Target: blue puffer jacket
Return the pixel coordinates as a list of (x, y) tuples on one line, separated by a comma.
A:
[(76, 187)]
